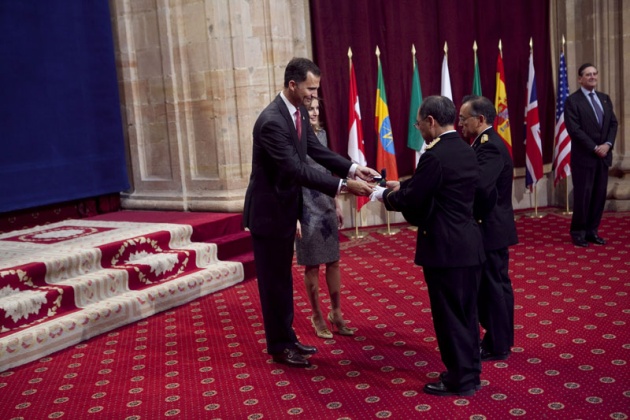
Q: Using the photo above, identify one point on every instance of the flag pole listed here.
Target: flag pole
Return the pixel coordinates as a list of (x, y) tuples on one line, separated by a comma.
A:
[(417, 153), (535, 215), (388, 231), (357, 210)]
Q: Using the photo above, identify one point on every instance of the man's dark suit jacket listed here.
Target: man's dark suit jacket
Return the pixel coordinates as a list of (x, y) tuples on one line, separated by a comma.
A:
[(493, 200), (584, 130), (441, 193), (279, 170)]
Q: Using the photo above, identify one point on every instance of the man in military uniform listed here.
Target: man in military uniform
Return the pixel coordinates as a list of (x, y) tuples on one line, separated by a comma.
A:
[(495, 214), (438, 198)]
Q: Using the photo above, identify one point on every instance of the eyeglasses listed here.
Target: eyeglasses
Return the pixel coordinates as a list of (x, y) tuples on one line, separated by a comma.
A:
[(463, 119), (417, 123)]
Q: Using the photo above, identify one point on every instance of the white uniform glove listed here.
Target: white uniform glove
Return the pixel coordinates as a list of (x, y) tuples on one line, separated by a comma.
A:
[(377, 194)]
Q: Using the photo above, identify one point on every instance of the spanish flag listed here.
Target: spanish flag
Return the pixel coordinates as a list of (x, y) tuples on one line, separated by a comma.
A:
[(385, 152), (502, 121)]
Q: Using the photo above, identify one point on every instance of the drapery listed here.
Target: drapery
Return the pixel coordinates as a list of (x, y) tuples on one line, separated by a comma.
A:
[(394, 26), (61, 134)]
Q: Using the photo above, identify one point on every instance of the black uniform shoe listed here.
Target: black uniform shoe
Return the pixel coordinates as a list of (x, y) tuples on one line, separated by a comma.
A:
[(487, 356), (439, 389), (595, 239), (292, 358), (304, 349), (580, 242)]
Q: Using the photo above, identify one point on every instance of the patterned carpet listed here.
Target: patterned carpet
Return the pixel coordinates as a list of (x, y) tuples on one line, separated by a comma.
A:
[(206, 359)]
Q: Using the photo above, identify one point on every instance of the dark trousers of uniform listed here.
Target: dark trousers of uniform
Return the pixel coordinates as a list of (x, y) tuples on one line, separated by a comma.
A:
[(496, 303), (273, 260), (453, 296), (589, 198)]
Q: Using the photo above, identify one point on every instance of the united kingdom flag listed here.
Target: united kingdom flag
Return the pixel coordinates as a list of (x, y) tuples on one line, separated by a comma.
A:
[(533, 146)]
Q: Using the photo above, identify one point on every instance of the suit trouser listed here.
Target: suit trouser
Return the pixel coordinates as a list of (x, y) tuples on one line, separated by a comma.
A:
[(589, 197), (273, 259), (453, 296), (496, 302)]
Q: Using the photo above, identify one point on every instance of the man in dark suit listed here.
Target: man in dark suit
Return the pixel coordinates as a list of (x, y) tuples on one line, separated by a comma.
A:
[(494, 212), (273, 201), (592, 126), (439, 199)]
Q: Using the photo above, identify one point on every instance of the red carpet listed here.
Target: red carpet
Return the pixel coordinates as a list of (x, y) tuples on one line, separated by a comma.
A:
[(206, 359)]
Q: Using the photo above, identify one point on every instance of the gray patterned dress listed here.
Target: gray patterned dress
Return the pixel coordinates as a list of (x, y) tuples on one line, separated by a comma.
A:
[(320, 235)]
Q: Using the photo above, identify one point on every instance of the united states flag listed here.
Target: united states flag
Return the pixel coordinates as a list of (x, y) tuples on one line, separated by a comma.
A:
[(562, 149)]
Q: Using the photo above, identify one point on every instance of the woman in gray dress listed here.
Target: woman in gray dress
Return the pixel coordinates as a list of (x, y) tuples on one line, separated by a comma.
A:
[(317, 242)]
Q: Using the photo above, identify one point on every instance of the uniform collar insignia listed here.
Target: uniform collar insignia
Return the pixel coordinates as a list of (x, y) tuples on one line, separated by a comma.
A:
[(433, 143), (484, 138)]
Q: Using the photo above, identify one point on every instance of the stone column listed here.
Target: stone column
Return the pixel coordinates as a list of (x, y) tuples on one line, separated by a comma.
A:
[(598, 31), (193, 76)]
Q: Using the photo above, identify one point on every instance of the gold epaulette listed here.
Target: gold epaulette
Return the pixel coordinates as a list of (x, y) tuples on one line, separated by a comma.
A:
[(484, 138), (433, 143)]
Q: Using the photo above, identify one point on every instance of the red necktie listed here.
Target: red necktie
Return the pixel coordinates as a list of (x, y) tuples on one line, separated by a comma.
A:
[(298, 123)]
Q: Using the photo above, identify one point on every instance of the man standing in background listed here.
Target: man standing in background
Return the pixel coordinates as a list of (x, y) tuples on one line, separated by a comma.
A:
[(592, 125), (494, 212)]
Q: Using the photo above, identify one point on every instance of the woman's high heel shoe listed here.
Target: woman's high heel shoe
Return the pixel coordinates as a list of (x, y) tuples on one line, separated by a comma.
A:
[(342, 330), (323, 333)]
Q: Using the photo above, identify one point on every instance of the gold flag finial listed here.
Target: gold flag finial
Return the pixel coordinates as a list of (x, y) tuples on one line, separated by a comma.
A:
[(475, 46), (445, 48), (378, 52), (413, 49), (350, 53), (500, 49), (531, 44), (563, 43)]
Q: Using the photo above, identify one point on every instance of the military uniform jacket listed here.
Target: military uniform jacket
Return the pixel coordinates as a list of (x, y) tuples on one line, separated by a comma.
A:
[(493, 199), (439, 198)]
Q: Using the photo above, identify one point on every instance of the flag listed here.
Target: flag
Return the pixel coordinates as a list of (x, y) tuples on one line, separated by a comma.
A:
[(476, 88), (502, 121), (385, 152), (562, 149), (414, 138), (446, 78), (356, 147), (533, 144)]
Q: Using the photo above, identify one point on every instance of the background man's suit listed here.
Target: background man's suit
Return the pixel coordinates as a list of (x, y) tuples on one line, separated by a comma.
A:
[(495, 214), (589, 171), (449, 248), (273, 203)]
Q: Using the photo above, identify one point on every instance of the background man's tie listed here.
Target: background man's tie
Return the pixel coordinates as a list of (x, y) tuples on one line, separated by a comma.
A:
[(599, 112)]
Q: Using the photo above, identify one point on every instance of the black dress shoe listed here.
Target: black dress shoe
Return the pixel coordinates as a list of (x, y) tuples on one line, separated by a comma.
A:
[(477, 382), (292, 358), (304, 349), (439, 389), (580, 242), (486, 356), (595, 239)]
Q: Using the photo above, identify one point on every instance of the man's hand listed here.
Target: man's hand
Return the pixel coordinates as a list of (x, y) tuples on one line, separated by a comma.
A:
[(365, 173), (602, 150), (393, 185), (358, 187), (377, 194)]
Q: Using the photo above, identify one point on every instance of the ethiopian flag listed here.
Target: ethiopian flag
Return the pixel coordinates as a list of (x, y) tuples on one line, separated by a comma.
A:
[(385, 152)]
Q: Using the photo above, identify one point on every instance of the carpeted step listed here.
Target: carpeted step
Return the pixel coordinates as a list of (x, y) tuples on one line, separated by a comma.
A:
[(229, 246), (72, 280), (247, 260)]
